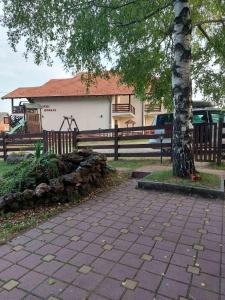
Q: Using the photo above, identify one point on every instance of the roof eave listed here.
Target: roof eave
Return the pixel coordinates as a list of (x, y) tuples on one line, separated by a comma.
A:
[(63, 96)]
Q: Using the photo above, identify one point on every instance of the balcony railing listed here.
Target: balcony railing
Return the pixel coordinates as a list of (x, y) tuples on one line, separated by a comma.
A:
[(123, 108), (20, 109), (152, 108)]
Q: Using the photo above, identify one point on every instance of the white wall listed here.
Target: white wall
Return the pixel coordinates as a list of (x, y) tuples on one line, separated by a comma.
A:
[(89, 112)]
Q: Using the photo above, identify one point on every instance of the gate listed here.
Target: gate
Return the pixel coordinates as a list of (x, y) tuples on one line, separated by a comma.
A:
[(206, 142)]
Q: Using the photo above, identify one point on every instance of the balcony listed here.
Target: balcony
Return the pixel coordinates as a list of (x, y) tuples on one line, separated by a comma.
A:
[(152, 109), (20, 109), (123, 109)]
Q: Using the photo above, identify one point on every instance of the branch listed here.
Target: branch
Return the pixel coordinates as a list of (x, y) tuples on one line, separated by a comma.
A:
[(113, 7), (204, 32), (222, 20), (145, 17)]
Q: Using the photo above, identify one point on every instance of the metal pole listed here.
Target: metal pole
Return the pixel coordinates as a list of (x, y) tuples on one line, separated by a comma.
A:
[(161, 139)]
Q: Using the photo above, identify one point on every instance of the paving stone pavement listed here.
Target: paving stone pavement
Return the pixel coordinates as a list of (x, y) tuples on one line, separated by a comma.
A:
[(124, 244)]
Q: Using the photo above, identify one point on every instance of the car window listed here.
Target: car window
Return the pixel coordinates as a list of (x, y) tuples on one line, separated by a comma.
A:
[(165, 119), (154, 122), (215, 117), (200, 117)]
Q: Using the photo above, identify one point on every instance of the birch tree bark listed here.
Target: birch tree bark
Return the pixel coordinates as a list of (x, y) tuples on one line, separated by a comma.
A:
[(183, 162)]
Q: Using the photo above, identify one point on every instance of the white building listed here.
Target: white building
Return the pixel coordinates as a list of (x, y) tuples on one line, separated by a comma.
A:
[(95, 107)]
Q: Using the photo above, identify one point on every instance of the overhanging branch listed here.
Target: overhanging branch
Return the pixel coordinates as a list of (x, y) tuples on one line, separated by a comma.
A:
[(113, 7), (204, 32), (151, 14), (211, 21)]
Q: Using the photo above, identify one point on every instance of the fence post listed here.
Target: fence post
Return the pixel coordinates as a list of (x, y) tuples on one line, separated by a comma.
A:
[(171, 147), (45, 141), (4, 145), (75, 133), (116, 141), (161, 148), (59, 143), (219, 141)]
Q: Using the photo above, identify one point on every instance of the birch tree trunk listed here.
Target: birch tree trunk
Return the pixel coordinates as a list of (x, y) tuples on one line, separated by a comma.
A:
[(183, 162)]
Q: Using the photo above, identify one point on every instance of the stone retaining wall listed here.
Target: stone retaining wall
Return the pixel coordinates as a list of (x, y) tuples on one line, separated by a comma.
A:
[(86, 170)]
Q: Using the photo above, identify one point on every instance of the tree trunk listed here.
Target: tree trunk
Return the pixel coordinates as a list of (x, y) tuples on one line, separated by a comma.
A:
[(183, 162)]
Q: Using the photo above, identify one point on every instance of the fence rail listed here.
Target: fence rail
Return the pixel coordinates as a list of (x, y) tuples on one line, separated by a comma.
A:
[(208, 141), (18, 142)]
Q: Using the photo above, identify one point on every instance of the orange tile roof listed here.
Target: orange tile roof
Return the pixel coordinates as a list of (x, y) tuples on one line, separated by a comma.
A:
[(73, 87)]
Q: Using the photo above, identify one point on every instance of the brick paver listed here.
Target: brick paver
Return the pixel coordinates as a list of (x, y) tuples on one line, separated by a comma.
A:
[(124, 244)]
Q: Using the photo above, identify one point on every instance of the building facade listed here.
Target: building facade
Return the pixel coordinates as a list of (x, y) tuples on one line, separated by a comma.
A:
[(99, 107)]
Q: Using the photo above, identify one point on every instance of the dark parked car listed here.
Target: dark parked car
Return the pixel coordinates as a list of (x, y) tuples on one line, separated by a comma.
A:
[(200, 116)]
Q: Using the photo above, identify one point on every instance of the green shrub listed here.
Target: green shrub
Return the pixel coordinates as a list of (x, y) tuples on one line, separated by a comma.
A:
[(20, 153), (38, 149), (29, 173)]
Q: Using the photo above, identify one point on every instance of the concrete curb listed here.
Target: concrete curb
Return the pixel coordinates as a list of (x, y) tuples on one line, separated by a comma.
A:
[(169, 187)]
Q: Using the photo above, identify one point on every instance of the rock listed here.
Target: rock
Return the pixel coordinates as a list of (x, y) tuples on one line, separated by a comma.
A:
[(69, 178), (15, 158), (73, 157), (85, 152), (110, 169), (27, 194), (42, 189), (56, 185)]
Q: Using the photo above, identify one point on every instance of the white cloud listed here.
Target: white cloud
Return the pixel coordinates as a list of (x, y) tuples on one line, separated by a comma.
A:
[(16, 71)]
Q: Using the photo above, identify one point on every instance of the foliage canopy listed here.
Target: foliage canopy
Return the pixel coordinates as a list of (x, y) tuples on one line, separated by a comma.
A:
[(135, 36)]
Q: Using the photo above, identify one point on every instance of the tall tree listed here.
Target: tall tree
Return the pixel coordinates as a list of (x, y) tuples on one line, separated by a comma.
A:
[(148, 42), (183, 162)]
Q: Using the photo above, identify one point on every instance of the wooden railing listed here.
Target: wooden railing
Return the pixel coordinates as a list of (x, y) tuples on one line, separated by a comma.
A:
[(123, 108), (147, 141), (19, 142), (127, 142), (152, 108), (20, 109)]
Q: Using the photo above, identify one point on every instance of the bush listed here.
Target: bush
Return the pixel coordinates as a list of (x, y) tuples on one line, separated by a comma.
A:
[(29, 173)]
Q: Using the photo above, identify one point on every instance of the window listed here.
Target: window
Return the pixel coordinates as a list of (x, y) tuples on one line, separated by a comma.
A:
[(166, 119), (200, 117)]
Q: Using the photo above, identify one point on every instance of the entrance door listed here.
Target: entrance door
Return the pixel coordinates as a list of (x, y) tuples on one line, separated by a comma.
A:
[(33, 122)]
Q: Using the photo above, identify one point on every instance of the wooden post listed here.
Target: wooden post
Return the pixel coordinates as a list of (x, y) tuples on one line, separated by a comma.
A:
[(45, 141), (75, 133), (59, 143), (219, 141), (4, 144), (116, 141), (161, 148)]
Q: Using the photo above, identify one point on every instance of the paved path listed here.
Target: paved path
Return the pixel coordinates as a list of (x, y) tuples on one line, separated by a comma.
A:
[(124, 244)]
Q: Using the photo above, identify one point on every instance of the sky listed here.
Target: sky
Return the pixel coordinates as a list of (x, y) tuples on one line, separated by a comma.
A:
[(16, 71)]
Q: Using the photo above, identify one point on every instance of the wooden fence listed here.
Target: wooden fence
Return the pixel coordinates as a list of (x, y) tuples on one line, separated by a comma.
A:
[(127, 142), (59, 142), (18, 143), (208, 142)]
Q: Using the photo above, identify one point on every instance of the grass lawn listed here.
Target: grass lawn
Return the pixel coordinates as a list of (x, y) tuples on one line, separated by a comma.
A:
[(216, 166), (4, 167), (135, 141), (132, 164), (207, 180)]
